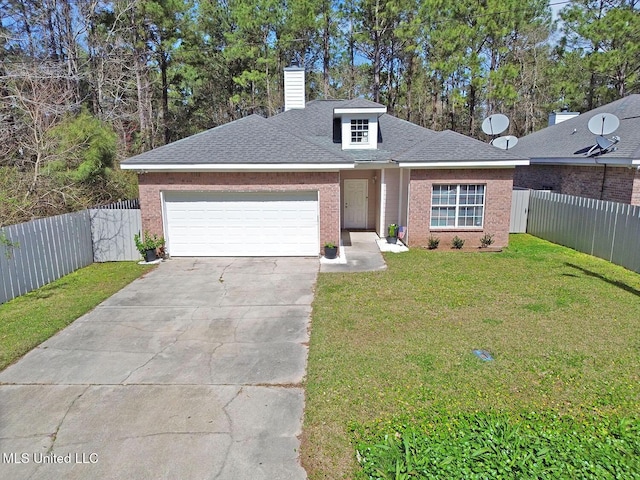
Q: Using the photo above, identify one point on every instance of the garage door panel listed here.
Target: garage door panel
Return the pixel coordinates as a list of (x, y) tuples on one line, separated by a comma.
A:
[(242, 224)]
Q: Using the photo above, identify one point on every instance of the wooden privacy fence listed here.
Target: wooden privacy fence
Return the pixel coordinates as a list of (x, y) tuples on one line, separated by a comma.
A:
[(49, 248), (608, 230), (112, 234)]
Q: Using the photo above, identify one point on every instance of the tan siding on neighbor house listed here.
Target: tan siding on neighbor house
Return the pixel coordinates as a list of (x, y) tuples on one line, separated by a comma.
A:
[(497, 213), (325, 183)]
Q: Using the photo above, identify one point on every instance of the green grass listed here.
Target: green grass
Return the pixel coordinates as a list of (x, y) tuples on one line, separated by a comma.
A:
[(484, 445), (395, 347), (27, 321)]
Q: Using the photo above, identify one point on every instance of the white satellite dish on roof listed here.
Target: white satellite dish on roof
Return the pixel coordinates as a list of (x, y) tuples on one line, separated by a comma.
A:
[(600, 125), (495, 124), (506, 142), (603, 124)]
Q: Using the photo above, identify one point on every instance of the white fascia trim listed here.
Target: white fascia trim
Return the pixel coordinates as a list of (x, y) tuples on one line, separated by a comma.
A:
[(635, 162), (364, 111), (251, 167), (496, 164), (583, 162)]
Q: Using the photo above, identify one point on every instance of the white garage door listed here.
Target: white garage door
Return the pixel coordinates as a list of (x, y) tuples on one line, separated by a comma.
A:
[(207, 224)]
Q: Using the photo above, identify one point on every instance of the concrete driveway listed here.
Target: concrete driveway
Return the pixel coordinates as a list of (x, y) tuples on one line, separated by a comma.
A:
[(191, 372)]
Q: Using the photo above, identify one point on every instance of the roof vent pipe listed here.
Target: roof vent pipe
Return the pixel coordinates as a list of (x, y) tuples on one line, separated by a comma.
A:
[(294, 88)]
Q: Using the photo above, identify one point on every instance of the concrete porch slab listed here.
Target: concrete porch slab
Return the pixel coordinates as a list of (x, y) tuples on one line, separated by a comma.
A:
[(361, 252)]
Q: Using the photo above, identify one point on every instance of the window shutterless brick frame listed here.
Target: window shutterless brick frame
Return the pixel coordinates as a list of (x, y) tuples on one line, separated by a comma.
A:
[(497, 205), (327, 184)]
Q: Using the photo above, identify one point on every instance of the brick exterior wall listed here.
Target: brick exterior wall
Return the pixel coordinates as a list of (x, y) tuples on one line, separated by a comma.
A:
[(621, 184), (497, 213), (635, 196), (326, 183)]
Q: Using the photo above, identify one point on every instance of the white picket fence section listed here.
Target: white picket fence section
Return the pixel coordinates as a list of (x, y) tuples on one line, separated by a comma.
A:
[(49, 248)]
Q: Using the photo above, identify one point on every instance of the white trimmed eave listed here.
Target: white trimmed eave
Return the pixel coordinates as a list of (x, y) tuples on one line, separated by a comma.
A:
[(585, 161), (242, 167), (469, 164)]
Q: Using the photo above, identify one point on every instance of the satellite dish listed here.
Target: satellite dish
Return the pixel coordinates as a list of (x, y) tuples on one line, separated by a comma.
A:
[(603, 124), (506, 142), (603, 145), (495, 124)]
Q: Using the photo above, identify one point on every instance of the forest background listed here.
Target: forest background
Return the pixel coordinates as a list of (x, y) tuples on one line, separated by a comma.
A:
[(86, 83)]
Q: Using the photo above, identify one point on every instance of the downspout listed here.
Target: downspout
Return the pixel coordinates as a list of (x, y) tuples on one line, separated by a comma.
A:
[(604, 176)]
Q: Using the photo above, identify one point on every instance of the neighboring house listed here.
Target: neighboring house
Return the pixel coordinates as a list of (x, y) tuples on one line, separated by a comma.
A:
[(287, 184), (559, 160)]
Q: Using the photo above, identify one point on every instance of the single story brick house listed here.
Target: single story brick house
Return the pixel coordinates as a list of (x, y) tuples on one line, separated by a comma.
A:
[(559, 160), (288, 184)]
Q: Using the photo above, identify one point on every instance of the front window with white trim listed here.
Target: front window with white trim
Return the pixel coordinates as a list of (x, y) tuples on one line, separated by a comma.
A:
[(454, 206), (360, 131)]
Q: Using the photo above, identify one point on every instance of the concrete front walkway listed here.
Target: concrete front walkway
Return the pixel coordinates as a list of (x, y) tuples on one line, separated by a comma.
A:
[(361, 251), (191, 372)]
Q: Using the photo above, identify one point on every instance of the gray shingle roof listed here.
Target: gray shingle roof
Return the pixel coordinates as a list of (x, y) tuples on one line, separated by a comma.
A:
[(359, 103), (249, 140), (306, 136), (561, 142), (449, 146)]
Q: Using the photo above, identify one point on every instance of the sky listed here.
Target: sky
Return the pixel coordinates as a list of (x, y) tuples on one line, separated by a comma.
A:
[(556, 6)]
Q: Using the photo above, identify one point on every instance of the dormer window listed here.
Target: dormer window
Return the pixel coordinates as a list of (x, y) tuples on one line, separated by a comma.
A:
[(360, 131), (358, 128)]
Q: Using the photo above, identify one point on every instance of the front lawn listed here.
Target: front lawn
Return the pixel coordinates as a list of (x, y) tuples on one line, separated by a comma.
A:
[(392, 371), (29, 320)]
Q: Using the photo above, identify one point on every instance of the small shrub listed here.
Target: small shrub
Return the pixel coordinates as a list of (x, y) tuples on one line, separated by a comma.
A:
[(147, 242), (486, 240), (433, 242), (457, 242)]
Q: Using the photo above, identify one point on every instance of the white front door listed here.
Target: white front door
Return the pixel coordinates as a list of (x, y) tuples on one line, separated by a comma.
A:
[(355, 203)]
